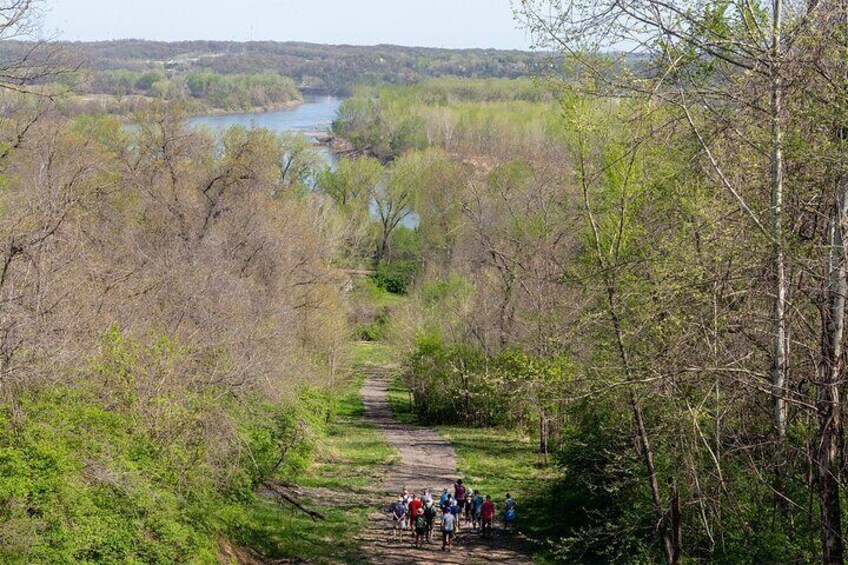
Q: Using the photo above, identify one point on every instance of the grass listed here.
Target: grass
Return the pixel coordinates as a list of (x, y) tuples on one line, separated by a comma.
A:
[(353, 453), (371, 353), (400, 401), (497, 462), (286, 533), (373, 306), (378, 298), (350, 460)]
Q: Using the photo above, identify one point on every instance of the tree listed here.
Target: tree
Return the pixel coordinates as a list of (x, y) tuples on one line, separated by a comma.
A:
[(28, 63), (729, 71), (352, 184), (301, 163), (393, 200)]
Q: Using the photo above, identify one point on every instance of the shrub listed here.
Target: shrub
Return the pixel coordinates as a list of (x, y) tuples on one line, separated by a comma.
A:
[(396, 276)]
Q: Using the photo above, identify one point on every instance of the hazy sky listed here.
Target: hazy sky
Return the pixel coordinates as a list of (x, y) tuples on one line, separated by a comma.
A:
[(432, 23)]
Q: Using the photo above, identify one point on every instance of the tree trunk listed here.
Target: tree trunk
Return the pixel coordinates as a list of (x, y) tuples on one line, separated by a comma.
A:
[(543, 436), (635, 407), (642, 432), (828, 408), (778, 368), (676, 526)]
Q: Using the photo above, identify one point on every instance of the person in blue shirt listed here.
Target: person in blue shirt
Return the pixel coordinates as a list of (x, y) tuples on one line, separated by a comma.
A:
[(510, 512), (478, 501), (398, 512), (444, 499)]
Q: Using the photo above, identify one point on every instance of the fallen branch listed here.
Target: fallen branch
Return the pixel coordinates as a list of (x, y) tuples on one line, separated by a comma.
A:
[(279, 492)]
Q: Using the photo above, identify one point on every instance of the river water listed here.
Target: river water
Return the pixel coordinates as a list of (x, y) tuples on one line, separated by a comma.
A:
[(313, 118)]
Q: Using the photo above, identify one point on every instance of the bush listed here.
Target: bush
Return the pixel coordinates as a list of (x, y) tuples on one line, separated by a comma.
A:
[(395, 276), (451, 385)]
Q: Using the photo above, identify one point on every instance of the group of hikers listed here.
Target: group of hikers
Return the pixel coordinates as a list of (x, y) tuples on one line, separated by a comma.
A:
[(418, 514)]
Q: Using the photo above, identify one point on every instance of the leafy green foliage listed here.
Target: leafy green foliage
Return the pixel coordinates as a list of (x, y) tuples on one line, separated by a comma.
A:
[(396, 276), (241, 91), (352, 184), (457, 384), (202, 89), (389, 122), (349, 460), (102, 472), (336, 68)]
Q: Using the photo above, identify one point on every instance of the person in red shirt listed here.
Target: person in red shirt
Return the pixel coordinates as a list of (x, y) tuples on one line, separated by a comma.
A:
[(459, 491), (414, 505), (487, 514)]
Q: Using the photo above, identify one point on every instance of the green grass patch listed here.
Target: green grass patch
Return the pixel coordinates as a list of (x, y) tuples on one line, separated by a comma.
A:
[(372, 306), (499, 461), (281, 532), (371, 353), (367, 290), (353, 453)]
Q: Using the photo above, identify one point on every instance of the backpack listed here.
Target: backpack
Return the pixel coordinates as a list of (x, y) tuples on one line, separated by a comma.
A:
[(421, 522), (430, 512)]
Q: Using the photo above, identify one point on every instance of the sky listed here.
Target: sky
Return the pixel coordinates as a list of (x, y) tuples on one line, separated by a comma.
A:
[(425, 23)]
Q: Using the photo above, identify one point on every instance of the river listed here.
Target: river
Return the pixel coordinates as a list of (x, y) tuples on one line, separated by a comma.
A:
[(313, 118)]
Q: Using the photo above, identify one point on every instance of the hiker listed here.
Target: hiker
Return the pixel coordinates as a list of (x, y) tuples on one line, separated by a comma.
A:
[(459, 493), (421, 529), (469, 507), (510, 512), (487, 514), (454, 510), (398, 512), (478, 501), (415, 505), (448, 530), (407, 519), (430, 514), (444, 499), (427, 497)]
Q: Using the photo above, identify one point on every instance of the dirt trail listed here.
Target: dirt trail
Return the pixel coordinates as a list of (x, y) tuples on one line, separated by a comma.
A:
[(426, 461)]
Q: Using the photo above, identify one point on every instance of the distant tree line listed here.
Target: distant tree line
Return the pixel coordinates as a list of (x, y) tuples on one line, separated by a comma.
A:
[(328, 68)]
